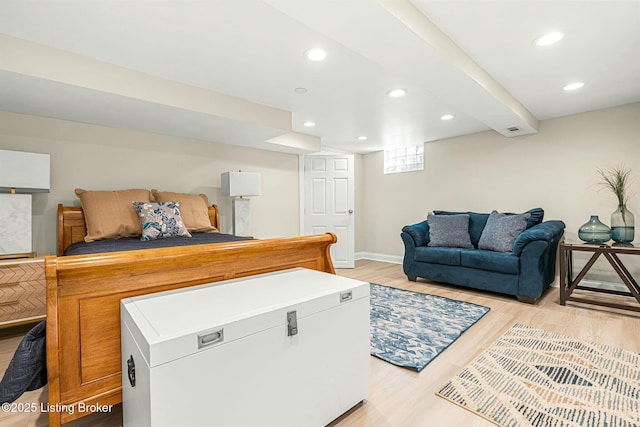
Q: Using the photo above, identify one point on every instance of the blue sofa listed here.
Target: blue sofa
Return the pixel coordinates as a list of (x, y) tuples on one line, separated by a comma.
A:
[(525, 272)]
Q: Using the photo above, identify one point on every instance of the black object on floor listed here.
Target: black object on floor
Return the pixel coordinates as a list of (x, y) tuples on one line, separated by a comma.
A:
[(28, 368)]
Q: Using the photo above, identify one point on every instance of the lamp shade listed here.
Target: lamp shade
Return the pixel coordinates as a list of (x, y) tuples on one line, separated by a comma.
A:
[(26, 172), (241, 184)]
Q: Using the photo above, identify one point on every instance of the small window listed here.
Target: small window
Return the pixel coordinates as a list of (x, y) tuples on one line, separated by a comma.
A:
[(404, 159)]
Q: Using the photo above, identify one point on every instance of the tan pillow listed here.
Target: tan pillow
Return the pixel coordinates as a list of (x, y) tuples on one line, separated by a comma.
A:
[(193, 208), (110, 214)]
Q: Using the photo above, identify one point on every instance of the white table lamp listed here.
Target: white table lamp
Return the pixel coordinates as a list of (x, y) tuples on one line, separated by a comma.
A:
[(241, 185), (21, 174)]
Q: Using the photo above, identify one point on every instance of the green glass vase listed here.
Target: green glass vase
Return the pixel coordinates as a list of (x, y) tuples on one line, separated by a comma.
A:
[(594, 231), (622, 228)]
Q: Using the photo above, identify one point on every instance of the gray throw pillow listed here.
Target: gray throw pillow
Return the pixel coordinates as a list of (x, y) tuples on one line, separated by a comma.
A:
[(449, 231), (501, 231)]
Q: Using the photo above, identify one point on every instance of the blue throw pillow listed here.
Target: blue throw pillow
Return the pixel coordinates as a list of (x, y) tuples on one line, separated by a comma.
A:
[(449, 231), (477, 222), (501, 231)]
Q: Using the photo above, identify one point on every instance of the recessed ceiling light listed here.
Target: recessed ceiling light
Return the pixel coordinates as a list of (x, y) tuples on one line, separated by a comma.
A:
[(397, 93), (362, 137), (300, 90), (573, 86), (309, 124), (447, 117), (316, 54), (549, 38)]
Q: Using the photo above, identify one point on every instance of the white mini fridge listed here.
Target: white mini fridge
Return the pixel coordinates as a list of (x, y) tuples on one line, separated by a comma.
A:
[(289, 348)]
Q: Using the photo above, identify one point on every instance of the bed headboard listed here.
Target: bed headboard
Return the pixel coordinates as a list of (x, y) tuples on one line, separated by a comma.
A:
[(72, 228)]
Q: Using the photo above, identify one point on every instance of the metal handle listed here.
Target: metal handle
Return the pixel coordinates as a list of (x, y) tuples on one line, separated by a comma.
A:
[(131, 371), (4, 304), (350, 211), (210, 338), (346, 296), (9, 284), (292, 323)]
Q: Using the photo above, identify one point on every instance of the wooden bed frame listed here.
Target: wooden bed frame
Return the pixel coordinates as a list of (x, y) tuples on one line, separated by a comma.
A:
[(84, 293)]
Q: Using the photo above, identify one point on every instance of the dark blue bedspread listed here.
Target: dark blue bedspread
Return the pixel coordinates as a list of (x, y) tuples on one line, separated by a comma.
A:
[(134, 243)]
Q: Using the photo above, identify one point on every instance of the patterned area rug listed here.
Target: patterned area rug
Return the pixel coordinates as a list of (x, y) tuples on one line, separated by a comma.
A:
[(533, 377), (410, 329)]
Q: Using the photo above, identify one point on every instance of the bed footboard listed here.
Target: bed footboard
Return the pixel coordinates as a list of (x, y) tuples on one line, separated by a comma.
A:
[(83, 305)]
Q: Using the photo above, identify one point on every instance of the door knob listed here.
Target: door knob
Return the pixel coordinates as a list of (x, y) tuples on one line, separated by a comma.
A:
[(350, 211)]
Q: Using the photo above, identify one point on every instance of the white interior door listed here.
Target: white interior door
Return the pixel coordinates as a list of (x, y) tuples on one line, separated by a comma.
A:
[(329, 203)]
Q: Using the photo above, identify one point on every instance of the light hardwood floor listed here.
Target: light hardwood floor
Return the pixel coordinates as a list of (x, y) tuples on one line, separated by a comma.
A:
[(399, 397)]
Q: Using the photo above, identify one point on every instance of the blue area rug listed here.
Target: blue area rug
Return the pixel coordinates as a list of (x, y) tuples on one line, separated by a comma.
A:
[(410, 329)]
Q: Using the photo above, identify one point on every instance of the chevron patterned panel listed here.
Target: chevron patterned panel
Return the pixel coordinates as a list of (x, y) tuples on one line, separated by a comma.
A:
[(22, 290)]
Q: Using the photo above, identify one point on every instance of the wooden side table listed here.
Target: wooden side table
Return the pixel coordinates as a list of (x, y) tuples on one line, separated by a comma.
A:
[(22, 291), (568, 283)]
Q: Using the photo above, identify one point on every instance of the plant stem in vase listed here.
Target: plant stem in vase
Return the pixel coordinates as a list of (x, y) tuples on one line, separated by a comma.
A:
[(622, 225)]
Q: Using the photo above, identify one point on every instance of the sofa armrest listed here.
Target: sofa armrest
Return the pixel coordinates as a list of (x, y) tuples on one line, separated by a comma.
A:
[(419, 232), (547, 231)]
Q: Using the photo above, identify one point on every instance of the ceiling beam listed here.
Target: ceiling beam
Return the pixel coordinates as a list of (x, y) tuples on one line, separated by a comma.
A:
[(199, 113), (410, 16)]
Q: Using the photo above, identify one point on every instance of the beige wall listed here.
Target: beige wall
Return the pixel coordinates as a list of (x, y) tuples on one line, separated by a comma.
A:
[(103, 158), (554, 169)]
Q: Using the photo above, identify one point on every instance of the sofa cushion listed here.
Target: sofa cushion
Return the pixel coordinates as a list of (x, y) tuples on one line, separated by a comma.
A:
[(536, 216), (500, 262), (449, 231), (477, 222), (501, 231), (445, 256)]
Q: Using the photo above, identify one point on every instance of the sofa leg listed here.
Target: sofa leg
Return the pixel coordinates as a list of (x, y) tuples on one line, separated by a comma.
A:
[(412, 278), (527, 299)]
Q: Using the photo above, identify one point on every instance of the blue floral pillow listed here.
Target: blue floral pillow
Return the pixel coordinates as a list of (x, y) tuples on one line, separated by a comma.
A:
[(160, 220)]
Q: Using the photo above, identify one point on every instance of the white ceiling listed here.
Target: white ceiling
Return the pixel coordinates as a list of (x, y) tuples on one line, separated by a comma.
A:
[(226, 70)]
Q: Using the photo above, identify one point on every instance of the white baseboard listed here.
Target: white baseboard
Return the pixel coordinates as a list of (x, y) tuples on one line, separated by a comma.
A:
[(394, 259)]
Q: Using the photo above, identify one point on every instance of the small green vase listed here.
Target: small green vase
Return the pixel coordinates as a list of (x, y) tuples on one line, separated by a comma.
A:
[(622, 227), (594, 231)]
